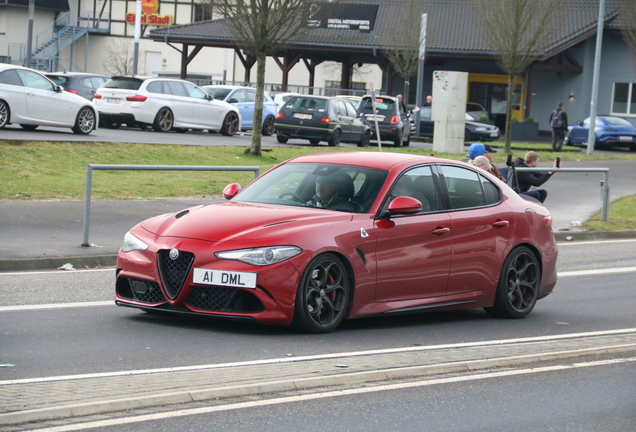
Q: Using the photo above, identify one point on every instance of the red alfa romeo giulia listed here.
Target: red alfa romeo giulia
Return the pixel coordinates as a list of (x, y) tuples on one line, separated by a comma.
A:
[(325, 237)]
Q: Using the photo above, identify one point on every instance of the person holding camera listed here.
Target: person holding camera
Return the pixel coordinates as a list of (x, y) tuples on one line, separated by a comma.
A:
[(526, 180)]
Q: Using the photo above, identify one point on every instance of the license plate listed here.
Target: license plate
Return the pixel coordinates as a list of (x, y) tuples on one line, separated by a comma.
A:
[(224, 278), (493, 134), (303, 116), (374, 118), (625, 138), (112, 101)]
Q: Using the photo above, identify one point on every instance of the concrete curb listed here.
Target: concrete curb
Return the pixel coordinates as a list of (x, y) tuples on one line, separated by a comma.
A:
[(56, 413)]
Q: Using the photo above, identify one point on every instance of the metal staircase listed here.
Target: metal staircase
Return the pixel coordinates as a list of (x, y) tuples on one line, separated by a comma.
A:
[(61, 34)]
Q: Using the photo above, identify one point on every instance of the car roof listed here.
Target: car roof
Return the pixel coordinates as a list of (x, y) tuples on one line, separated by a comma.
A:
[(6, 66), (75, 74), (379, 160), (225, 86)]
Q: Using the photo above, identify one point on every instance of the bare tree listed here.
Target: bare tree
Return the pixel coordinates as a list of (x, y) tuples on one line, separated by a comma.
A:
[(261, 28), (119, 57), (517, 31), (628, 25), (404, 40)]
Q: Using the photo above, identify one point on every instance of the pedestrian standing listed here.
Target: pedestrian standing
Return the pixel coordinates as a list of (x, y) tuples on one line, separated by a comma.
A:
[(559, 123)]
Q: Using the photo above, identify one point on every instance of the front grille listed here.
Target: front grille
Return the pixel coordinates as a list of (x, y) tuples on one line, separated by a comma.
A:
[(140, 290), (174, 272), (224, 300)]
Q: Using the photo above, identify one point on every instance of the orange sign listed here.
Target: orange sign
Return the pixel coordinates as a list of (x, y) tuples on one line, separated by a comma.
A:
[(149, 7), (155, 20)]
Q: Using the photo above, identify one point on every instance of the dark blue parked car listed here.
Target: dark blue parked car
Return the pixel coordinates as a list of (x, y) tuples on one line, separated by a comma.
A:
[(610, 131)]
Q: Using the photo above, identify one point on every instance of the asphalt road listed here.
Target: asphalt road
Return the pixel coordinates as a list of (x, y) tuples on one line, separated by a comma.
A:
[(72, 340)]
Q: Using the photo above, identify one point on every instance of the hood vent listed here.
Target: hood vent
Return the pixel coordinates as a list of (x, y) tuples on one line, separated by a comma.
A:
[(180, 214)]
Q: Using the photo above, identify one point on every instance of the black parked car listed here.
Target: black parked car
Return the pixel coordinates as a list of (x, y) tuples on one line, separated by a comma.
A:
[(474, 130), (319, 118), (80, 83), (393, 120)]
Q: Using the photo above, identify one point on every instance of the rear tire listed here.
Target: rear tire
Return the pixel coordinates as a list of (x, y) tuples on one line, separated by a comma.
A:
[(230, 124), (282, 139), (29, 127), (407, 142), (85, 121), (5, 114), (519, 284), (398, 141), (314, 141), (164, 120), (269, 127), (335, 138)]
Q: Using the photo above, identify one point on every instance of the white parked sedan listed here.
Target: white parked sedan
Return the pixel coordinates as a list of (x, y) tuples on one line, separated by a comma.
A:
[(165, 104), (30, 99)]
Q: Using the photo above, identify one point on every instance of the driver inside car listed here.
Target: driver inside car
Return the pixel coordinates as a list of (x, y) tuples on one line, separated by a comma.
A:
[(334, 192)]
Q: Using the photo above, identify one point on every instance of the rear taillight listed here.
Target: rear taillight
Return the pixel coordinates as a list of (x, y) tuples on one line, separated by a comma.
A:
[(280, 115), (97, 96), (325, 119), (547, 220), (136, 98), (395, 120)]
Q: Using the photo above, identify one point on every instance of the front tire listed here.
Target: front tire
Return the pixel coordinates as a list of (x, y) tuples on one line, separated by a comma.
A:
[(365, 140), (5, 114), (164, 120), (518, 287), (269, 127), (335, 138), (323, 295), (85, 121), (230, 124)]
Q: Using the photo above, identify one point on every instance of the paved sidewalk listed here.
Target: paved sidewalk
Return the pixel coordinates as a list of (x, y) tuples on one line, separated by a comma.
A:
[(62, 397)]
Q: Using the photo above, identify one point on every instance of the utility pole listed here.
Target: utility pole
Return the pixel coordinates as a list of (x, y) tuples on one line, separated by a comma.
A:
[(591, 136), (137, 36), (30, 33)]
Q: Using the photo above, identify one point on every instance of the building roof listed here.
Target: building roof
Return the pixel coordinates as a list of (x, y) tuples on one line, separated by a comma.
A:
[(453, 29), (54, 5)]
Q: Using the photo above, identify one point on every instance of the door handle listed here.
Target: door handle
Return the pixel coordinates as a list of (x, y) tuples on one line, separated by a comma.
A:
[(500, 224), (440, 231)]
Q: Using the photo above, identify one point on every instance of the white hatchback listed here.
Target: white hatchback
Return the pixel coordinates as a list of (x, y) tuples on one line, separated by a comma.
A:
[(30, 99), (165, 104)]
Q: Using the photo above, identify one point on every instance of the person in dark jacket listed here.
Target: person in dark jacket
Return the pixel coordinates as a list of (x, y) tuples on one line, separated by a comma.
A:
[(559, 123), (526, 180)]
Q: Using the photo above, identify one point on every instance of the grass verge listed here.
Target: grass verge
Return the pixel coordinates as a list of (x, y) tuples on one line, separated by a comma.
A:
[(57, 170), (621, 216)]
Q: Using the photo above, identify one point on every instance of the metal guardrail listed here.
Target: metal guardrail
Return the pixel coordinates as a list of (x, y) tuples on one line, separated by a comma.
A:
[(91, 167), (605, 188)]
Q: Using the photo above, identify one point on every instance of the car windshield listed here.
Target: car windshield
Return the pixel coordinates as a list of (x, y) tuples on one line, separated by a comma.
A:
[(217, 92), (294, 184), (616, 121), (124, 83), (381, 104), (59, 80)]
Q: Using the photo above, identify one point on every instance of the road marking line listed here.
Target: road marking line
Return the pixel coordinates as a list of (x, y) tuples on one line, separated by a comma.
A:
[(535, 339), (56, 272), (329, 394), (575, 243), (56, 306), (597, 272)]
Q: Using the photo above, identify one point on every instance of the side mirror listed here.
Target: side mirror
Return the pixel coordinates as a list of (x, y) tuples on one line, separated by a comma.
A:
[(210, 97), (231, 190), (580, 123), (405, 205), (233, 101), (59, 88)]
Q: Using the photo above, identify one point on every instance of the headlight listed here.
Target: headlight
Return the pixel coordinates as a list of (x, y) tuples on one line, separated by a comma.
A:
[(480, 129), (260, 256), (132, 243)]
